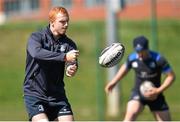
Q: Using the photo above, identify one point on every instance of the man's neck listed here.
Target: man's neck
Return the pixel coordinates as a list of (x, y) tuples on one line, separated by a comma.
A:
[(56, 36)]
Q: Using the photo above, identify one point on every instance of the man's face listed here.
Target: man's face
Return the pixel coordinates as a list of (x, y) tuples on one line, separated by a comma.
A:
[(61, 23), (143, 54)]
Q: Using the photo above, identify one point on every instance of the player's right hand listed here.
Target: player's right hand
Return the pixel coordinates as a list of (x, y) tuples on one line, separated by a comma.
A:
[(109, 87), (71, 55)]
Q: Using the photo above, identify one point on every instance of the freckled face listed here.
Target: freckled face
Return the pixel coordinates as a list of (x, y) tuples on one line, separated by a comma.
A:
[(61, 23)]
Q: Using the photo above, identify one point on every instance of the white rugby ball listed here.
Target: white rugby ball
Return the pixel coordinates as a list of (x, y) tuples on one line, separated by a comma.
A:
[(146, 86), (111, 55)]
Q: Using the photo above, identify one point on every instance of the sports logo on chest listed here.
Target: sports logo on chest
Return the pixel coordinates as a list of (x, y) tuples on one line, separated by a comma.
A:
[(59, 48), (62, 48), (144, 74), (134, 64), (152, 65)]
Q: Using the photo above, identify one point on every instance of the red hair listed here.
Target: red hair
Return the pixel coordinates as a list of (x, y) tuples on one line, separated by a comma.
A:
[(54, 11)]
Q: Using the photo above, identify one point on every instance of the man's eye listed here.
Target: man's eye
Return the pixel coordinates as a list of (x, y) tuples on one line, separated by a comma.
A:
[(63, 22)]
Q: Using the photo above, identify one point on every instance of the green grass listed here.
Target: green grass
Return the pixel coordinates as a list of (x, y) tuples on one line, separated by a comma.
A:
[(82, 90)]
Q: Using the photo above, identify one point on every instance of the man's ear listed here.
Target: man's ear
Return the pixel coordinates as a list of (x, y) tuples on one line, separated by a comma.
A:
[(51, 24)]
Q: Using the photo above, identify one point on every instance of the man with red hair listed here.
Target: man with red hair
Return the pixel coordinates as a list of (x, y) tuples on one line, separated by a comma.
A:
[(50, 54)]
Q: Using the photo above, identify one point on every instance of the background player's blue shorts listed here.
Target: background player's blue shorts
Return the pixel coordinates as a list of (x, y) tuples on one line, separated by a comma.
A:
[(52, 109), (158, 104)]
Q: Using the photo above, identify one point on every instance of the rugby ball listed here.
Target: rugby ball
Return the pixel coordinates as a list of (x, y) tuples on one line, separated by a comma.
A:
[(111, 55), (146, 86)]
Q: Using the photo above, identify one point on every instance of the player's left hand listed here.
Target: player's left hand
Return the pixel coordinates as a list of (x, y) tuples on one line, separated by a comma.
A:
[(151, 94), (71, 70)]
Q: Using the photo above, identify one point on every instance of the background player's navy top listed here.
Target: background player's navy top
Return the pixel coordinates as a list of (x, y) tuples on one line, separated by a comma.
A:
[(45, 65), (149, 69)]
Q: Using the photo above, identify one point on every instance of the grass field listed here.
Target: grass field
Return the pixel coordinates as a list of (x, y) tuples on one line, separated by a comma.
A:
[(83, 90)]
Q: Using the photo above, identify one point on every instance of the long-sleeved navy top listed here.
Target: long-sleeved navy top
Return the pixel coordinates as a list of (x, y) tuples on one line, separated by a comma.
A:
[(45, 65)]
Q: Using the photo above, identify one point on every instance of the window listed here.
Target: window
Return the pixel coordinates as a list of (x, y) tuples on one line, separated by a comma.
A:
[(34, 4), (65, 3), (134, 2), (11, 6), (90, 3), (20, 6)]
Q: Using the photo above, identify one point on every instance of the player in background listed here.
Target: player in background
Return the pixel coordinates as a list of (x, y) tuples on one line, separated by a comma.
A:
[(148, 65), (50, 54)]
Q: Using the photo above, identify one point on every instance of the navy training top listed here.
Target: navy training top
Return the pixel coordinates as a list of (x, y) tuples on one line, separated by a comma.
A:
[(44, 72)]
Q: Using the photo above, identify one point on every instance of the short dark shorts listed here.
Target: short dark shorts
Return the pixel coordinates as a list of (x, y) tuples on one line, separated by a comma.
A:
[(157, 105), (52, 109)]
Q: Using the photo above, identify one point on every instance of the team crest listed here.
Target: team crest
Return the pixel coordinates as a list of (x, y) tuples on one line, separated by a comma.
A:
[(152, 65), (134, 64), (63, 48)]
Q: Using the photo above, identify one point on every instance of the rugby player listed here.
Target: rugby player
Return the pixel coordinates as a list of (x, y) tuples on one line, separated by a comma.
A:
[(148, 66), (50, 55)]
